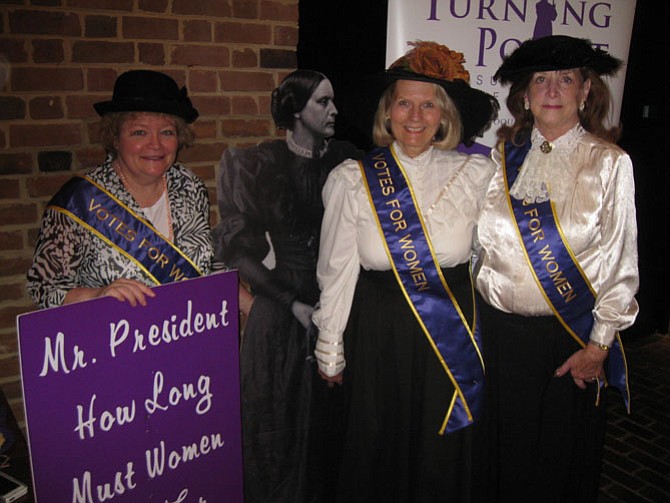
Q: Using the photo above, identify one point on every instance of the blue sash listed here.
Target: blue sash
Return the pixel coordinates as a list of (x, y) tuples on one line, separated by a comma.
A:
[(420, 278), (556, 270), (93, 207)]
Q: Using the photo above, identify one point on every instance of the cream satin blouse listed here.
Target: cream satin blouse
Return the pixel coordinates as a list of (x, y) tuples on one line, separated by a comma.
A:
[(591, 184), (449, 187)]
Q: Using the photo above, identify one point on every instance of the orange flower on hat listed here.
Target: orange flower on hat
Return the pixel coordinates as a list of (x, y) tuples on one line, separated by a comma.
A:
[(433, 60)]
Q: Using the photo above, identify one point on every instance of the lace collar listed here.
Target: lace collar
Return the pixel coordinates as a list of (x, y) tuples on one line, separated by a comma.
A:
[(540, 173), (564, 144), (419, 160), (302, 151)]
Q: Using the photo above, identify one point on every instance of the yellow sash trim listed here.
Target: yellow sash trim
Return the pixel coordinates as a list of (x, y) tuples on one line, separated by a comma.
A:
[(579, 268), (458, 392), (106, 240)]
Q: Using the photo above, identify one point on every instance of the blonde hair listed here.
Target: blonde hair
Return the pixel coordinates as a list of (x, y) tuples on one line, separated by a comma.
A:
[(448, 134)]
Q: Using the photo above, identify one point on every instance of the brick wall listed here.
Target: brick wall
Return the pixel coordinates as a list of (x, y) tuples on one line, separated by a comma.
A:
[(58, 57)]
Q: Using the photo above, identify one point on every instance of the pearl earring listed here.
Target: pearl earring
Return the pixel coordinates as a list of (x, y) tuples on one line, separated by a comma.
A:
[(581, 106), (526, 105)]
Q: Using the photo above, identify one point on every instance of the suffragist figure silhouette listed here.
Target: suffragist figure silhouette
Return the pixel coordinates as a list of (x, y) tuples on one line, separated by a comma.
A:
[(270, 199)]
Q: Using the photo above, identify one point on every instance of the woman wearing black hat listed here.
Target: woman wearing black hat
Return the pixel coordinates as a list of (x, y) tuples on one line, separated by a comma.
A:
[(397, 299), (557, 273), (137, 220), (270, 195)]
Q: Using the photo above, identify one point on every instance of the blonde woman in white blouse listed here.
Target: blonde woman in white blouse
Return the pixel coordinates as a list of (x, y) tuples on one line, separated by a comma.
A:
[(557, 274), (405, 438)]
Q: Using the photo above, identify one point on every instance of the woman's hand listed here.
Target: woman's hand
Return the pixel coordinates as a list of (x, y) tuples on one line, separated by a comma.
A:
[(586, 365), (125, 290), (331, 380), (246, 299), (303, 312)]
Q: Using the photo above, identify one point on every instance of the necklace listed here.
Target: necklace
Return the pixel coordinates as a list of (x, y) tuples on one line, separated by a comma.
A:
[(154, 209), (302, 151)]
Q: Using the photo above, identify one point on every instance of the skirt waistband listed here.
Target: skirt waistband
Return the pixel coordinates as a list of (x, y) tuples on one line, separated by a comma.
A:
[(452, 275)]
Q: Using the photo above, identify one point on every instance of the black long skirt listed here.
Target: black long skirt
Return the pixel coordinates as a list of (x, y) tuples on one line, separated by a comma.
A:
[(399, 395), (542, 435), (291, 419)]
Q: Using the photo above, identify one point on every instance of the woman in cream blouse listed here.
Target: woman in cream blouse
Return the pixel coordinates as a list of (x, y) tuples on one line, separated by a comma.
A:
[(557, 274)]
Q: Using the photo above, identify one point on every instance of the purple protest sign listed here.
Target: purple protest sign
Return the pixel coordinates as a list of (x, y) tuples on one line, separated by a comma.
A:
[(136, 404)]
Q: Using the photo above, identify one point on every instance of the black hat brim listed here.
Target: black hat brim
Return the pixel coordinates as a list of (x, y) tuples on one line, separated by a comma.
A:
[(183, 110), (555, 52)]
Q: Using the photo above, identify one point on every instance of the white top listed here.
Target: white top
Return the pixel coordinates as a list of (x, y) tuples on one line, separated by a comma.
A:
[(590, 182), (449, 187), (158, 215)]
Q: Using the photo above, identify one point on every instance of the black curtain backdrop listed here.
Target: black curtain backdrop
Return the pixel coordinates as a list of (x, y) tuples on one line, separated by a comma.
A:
[(645, 117), (346, 40)]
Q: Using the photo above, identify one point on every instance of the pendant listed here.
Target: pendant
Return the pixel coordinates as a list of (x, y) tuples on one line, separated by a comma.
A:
[(546, 147)]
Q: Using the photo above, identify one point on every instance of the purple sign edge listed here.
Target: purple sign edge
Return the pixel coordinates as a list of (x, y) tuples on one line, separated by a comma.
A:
[(221, 282)]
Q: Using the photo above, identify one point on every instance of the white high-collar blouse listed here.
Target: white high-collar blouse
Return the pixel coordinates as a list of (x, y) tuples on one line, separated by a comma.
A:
[(591, 184), (449, 187)]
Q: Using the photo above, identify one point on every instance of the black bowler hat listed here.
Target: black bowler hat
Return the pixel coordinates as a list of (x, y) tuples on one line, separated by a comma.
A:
[(148, 91), (437, 64), (555, 52)]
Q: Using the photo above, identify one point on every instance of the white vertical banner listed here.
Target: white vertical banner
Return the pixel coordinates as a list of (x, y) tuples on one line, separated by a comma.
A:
[(486, 30)]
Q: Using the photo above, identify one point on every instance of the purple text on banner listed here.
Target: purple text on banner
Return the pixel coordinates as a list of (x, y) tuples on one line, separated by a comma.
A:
[(136, 404)]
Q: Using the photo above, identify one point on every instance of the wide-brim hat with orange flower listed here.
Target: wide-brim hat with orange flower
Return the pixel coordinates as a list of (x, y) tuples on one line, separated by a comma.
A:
[(436, 63)]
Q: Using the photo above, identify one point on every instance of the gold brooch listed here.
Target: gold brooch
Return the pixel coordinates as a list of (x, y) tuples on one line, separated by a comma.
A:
[(546, 147)]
